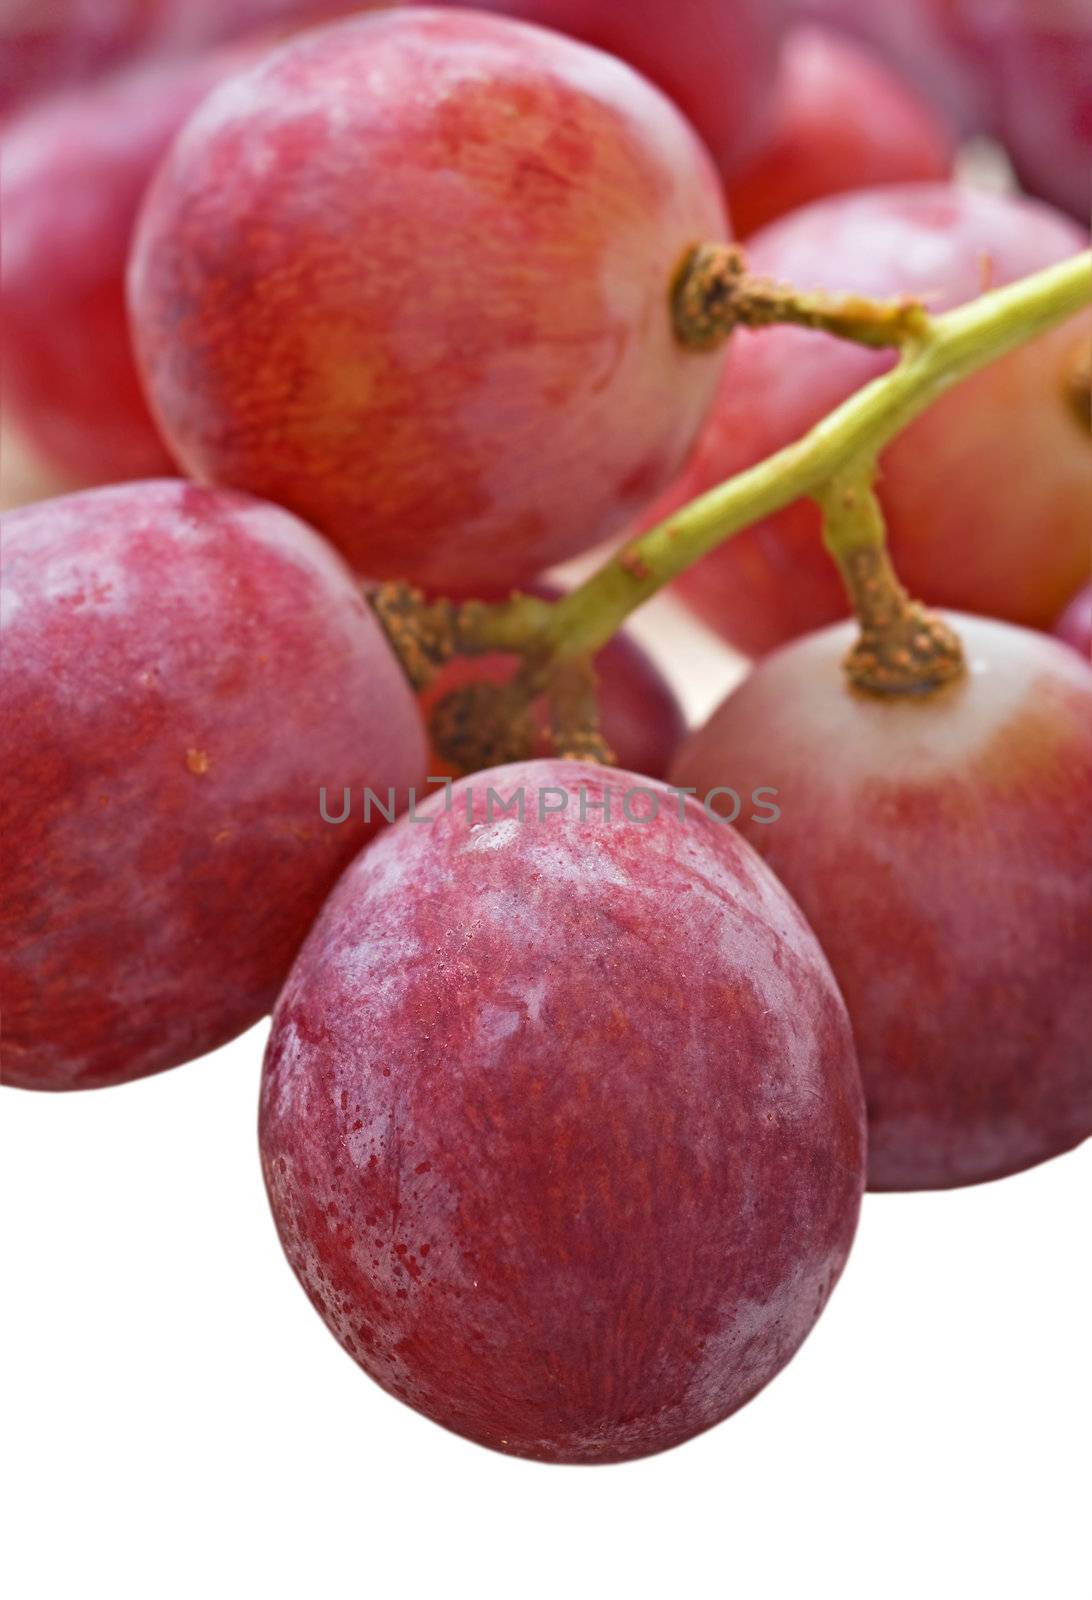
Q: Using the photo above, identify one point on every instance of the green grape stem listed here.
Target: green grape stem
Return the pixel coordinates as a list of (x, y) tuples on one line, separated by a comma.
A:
[(833, 464), (948, 349)]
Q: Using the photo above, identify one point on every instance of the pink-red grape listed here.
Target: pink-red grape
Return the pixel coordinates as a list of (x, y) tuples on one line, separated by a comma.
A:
[(641, 718), (1040, 83), (410, 277), (183, 669), (561, 1121), (842, 120), (929, 41), (715, 58), (971, 488), (1020, 70), (75, 172), (940, 847), (48, 45), (1075, 623)]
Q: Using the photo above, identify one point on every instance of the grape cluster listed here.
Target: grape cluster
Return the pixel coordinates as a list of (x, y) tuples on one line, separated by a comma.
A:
[(577, 1071)]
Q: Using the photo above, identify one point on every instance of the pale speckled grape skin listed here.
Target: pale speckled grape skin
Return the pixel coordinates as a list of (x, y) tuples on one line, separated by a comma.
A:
[(1075, 623), (715, 58), (969, 488), (942, 851), (561, 1122), (842, 120), (410, 278), (182, 669), (75, 172)]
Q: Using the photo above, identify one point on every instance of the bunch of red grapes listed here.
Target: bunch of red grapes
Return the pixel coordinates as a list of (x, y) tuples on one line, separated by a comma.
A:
[(573, 1086)]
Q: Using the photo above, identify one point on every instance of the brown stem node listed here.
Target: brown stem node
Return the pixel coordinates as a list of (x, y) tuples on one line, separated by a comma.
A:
[(482, 725), (422, 633), (713, 293), (903, 648), (574, 714)]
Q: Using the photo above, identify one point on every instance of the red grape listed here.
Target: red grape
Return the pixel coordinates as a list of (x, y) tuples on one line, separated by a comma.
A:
[(940, 848), (1019, 69), (1075, 623), (969, 488), (927, 40), (842, 120), (46, 45), (183, 669), (715, 58), (75, 172), (561, 1122), (1041, 89), (641, 719), (410, 277)]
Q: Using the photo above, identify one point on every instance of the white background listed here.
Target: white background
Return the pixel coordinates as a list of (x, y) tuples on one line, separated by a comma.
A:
[(179, 1422)]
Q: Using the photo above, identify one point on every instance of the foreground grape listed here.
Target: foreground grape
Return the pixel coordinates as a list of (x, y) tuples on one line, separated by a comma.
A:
[(561, 1122), (410, 278), (940, 847), (75, 172), (715, 58), (969, 488), (183, 669), (842, 120)]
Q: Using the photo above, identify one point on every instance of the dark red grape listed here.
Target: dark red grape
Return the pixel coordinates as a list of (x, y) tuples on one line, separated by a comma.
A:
[(929, 41), (1020, 70), (1041, 94), (49, 45), (75, 172), (940, 847), (183, 669), (842, 120), (561, 1121)]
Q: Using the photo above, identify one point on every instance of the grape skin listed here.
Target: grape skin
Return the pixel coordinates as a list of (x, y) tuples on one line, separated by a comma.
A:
[(940, 848), (183, 668), (715, 58), (561, 1123), (75, 172), (842, 120), (409, 277)]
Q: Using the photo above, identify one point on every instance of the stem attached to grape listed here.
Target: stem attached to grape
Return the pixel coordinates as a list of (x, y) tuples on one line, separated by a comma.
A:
[(937, 353), (714, 294), (956, 345), (902, 648)]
